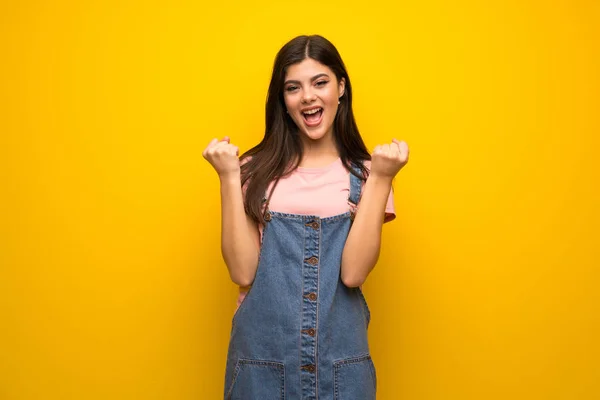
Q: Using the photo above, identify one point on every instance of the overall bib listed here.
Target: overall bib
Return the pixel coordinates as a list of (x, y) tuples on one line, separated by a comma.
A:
[(300, 333)]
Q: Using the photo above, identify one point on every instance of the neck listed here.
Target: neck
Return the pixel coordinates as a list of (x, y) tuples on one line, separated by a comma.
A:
[(319, 153)]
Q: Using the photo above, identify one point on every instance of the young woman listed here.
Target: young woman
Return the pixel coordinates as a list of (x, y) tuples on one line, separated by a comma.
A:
[(302, 215)]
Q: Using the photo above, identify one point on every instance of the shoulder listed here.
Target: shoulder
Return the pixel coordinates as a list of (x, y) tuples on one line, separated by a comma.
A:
[(358, 166), (244, 160)]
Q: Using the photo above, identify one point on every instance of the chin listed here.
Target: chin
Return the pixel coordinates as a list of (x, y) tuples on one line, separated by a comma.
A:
[(316, 135)]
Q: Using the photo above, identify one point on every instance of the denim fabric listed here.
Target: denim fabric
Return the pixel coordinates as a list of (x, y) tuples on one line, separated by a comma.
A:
[(300, 333)]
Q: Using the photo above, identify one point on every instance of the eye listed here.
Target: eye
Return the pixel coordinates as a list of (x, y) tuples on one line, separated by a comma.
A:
[(291, 88), (322, 83)]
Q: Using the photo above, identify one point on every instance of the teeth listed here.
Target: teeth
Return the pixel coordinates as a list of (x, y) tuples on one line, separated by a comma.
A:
[(312, 111)]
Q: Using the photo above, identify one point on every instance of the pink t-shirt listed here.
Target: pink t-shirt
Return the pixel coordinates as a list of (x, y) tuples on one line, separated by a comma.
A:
[(316, 191)]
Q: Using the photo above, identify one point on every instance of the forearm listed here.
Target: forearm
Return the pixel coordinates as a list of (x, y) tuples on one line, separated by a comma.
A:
[(239, 239), (363, 244)]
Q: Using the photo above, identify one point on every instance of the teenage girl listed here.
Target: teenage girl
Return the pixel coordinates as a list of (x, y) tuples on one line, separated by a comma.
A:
[(302, 215)]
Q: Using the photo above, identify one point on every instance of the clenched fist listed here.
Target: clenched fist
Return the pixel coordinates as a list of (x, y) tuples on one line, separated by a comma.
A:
[(388, 159), (223, 156)]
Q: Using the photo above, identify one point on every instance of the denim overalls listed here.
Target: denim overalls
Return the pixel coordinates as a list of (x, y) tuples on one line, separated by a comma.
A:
[(300, 333)]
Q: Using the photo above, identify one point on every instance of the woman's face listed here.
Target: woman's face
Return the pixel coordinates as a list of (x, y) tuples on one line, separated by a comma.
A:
[(311, 93)]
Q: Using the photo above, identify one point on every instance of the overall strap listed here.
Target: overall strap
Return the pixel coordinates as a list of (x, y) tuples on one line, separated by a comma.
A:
[(355, 186), (267, 199)]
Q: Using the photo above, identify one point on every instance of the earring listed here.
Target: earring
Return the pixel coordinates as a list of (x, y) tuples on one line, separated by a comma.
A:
[(338, 102)]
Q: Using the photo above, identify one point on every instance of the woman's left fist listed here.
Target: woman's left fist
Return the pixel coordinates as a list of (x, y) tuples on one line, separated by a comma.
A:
[(388, 159)]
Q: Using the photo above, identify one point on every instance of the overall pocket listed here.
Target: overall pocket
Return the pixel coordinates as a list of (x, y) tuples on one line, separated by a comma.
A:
[(355, 378), (257, 379)]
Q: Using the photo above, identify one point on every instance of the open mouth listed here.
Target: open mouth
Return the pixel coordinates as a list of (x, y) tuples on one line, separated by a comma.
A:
[(313, 117)]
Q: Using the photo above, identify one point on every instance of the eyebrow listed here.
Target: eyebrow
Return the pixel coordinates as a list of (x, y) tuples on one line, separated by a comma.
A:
[(314, 78)]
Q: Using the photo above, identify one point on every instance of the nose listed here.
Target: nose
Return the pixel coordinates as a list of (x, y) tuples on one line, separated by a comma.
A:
[(308, 96)]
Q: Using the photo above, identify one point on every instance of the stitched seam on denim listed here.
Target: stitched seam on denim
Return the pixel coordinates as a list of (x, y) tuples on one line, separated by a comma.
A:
[(236, 372), (335, 383), (351, 360), (307, 216), (373, 376), (263, 363), (283, 383), (337, 365), (301, 306), (318, 266)]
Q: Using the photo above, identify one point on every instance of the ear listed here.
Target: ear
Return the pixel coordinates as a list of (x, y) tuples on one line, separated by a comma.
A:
[(342, 87)]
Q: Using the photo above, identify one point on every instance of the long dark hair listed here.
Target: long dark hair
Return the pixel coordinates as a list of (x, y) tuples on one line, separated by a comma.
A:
[(281, 150)]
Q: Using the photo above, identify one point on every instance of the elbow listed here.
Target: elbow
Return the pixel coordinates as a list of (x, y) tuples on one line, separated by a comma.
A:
[(242, 276), (353, 281), (354, 273), (242, 273), (242, 267), (242, 280)]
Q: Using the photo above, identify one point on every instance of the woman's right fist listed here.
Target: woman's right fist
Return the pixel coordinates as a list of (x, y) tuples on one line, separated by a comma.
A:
[(223, 156)]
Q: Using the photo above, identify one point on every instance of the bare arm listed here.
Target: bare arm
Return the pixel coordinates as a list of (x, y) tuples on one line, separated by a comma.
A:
[(361, 251), (239, 234), (363, 244)]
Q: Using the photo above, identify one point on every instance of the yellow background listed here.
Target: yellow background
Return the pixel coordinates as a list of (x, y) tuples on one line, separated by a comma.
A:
[(111, 280)]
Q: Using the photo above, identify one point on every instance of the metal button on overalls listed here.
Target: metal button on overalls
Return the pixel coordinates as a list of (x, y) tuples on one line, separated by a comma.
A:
[(300, 333)]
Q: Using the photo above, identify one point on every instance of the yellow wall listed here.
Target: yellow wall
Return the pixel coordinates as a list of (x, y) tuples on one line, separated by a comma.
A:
[(111, 281)]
